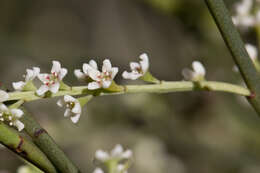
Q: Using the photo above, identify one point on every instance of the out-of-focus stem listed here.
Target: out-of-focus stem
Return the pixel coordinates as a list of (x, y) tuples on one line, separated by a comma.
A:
[(237, 49), (25, 148)]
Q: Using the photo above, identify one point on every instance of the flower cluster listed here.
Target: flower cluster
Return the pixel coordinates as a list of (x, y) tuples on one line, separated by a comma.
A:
[(53, 82), (103, 79), (244, 16), (114, 158), (10, 115)]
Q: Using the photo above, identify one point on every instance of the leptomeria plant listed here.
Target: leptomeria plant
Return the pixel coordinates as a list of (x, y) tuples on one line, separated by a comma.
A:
[(43, 152)]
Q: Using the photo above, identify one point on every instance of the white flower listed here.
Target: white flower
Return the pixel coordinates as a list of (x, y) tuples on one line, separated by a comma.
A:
[(73, 108), (138, 69), (121, 168), (101, 79), (98, 170), (244, 7), (51, 82), (117, 153), (24, 169), (30, 75), (83, 75), (11, 116), (3, 96), (252, 51), (243, 16), (198, 72)]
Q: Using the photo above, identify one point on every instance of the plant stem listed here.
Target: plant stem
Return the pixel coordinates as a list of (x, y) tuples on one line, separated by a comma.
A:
[(41, 138), (25, 148), (237, 49), (163, 87)]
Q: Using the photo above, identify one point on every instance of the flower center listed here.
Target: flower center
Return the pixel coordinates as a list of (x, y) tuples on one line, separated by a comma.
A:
[(52, 79), (138, 70), (70, 105)]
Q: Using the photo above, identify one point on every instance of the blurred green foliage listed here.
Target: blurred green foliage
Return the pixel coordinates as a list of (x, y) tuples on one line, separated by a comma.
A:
[(181, 132)]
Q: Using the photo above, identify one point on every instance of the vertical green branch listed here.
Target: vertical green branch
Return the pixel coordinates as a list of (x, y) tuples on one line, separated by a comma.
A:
[(237, 49), (47, 145), (24, 148)]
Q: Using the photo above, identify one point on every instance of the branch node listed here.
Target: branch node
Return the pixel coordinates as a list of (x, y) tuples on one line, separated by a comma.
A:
[(38, 132), (19, 147)]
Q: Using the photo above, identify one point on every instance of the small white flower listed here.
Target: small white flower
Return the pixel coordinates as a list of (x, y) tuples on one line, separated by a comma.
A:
[(117, 153), (73, 108), (120, 168), (198, 72), (83, 75), (137, 69), (11, 116), (98, 170), (101, 79), (252, 51), (3, 96), (51, 82), (30, 75), (243, 17), (244, 7)]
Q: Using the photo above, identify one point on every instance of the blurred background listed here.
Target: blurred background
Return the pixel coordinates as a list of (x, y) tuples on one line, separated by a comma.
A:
[(197, 132)]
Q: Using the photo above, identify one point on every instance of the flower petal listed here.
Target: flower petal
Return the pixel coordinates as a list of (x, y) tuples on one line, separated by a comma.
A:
[(94, 74), (56, 67), (106, 83), (98, 170), (68, 98), (252, 51), (93, 64), (63, 73), (144, 62), (107, 66), (127, 154), (118, 150), (61, 103), (18, 113), (54, 88), (93, 85), (198, 68), (134, 66), (86, 67), (101, 155), (77, 108), (114, 72), (3, 96), (68, 113), (79, 74), (187, 74), (132, 75), (19, 125), (3, 108), (18, 85), (42, 90), (43, 77), (75, 118)]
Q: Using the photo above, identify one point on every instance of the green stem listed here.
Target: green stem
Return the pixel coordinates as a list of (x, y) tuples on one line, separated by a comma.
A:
[(237, 49), (166, 87), (41, 138), (25, 148), (163, 87)]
